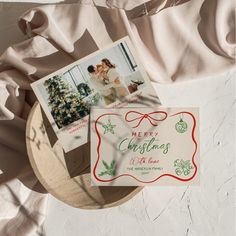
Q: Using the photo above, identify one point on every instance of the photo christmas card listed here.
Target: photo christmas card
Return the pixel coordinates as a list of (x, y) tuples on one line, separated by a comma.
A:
[(111, 77), (144, 146)]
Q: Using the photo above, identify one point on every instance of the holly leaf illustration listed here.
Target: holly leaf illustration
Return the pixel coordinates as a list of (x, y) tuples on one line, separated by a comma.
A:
[(182, 166)]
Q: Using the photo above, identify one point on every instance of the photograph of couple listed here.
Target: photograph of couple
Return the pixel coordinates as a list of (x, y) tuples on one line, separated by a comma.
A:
[(101, 79), (105, 79)]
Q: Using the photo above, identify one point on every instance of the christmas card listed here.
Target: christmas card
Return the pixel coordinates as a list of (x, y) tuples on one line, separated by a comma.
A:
[(111, 77), (144, 146)]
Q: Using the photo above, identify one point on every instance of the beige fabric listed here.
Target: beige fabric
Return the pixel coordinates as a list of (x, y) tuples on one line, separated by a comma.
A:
[(176, 41)]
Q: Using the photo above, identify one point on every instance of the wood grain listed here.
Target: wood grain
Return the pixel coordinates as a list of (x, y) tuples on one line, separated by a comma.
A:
[(67, 175)]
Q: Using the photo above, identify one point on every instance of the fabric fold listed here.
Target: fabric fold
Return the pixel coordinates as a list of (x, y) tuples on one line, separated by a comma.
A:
[(176, 41), (171, 47)]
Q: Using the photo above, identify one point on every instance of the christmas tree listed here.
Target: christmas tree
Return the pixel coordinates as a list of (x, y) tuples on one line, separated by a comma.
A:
[(66, 105)]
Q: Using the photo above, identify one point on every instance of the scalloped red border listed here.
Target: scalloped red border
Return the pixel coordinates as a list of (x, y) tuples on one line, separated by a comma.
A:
[(146, 182)]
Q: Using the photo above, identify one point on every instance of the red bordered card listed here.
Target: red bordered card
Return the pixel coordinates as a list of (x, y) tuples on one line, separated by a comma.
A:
[(145, 146), (110, 77)]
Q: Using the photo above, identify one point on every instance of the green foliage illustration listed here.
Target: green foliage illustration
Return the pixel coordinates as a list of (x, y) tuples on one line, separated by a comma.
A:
[(183, 167), (109, 169), (109, 127), (181, 126)]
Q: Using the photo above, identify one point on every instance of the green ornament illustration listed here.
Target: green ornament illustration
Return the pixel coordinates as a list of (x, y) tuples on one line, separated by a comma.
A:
[(181, 126), (110, 169), (109, 127), (183, 167)]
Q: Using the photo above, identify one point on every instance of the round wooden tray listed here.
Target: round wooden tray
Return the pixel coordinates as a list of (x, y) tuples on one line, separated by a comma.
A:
[(67, 175)]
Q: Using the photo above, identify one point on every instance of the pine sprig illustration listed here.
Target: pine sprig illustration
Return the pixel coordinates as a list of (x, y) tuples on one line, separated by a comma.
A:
[(110, 169)]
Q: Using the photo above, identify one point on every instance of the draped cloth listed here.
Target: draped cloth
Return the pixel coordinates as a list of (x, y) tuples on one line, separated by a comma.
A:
[(176, 40)]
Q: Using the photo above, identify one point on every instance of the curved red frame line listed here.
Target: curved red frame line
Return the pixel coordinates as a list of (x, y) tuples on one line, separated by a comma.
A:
[(146, 182)]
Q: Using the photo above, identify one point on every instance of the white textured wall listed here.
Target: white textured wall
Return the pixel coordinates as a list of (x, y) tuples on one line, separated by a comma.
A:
[(208, 210)]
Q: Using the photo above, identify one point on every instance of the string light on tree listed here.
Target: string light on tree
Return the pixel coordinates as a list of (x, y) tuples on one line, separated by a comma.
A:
[(66, 105)]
